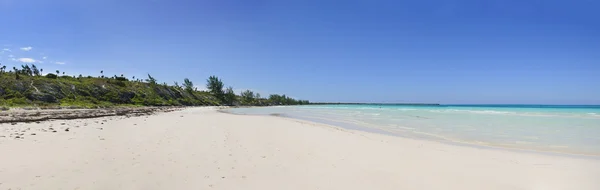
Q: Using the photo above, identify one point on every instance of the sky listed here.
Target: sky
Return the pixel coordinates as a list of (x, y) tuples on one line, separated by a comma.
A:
[(390, 51)]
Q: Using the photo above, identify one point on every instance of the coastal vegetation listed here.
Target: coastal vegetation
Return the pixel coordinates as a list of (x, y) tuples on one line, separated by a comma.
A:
[(30, 86)]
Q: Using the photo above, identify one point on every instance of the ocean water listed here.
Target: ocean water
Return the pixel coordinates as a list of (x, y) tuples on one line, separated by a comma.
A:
[(562, 129)]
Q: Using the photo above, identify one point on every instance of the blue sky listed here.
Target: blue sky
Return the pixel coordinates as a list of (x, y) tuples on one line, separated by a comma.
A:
[(435, 51)]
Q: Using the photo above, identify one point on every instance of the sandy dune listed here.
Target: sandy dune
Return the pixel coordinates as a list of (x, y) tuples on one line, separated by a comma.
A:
[(200, 148)]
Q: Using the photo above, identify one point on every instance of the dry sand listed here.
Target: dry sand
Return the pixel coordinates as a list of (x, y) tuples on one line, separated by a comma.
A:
[(200, 148)]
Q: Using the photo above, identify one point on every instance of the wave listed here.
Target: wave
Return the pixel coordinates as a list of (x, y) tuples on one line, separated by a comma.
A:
[(514, 113)]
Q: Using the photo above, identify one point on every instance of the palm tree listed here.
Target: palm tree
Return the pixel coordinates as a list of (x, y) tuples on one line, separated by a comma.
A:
[(57, 72)]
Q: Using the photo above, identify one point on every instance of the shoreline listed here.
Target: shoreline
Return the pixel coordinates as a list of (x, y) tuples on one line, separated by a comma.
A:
[(447, 141)]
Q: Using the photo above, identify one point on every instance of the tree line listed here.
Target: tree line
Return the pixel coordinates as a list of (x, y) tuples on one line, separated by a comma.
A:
[(214, 86), (246, 98)]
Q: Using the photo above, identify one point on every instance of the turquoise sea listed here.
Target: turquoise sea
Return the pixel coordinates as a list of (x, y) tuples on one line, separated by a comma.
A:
[(549, 128)]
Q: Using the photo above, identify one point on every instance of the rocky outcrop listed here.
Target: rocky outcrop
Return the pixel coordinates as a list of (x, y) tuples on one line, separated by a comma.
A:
[(14, 116)]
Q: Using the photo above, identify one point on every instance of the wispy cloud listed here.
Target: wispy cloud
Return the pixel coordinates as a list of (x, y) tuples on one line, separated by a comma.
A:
[(27, 60), (60, 63), (11, 56), (26, 48), (6, 49), (44, 57)]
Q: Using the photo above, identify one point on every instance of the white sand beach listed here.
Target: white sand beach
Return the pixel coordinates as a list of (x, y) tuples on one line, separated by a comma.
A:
[(200, 148)]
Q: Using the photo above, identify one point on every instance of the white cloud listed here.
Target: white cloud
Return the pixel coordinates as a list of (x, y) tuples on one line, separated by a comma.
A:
[(44, 57), (26, 48), (60, 63), (11, 56), (6, 49), (27, 60), (200, 88)]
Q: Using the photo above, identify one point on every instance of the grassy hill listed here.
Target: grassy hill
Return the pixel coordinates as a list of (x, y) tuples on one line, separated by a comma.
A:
[(28, 87)]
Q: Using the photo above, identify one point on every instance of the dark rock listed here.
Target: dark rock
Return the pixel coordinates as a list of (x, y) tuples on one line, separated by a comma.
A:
[(32, 133), (125, 97), (67, 129), (43, 97)]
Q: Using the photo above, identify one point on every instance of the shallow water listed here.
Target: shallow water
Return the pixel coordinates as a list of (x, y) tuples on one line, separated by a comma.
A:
[(565, 129)]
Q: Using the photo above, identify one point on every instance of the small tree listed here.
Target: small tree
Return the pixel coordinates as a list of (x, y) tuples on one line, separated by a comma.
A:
[(2, 69), (151, 80), (247, 97), (16, 73), (35, 70), (26, 70), (188, 85), (215, 87), (57, 72), (229, 96)]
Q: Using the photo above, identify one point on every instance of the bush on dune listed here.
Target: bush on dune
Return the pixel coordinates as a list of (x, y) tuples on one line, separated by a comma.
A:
[(28, 87)]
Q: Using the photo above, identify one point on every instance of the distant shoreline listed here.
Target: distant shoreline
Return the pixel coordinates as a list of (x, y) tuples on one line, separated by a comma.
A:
[(403, 104), (468, 105)]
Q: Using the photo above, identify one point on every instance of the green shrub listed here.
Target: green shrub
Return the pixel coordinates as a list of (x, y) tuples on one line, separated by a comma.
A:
[(121, 79), (51, 76)]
